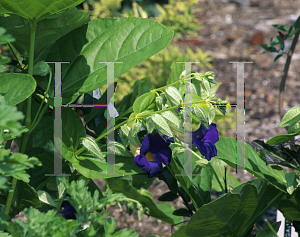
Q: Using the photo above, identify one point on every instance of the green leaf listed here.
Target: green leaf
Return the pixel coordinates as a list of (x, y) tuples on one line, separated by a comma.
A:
[(234, 213), (227, 149), (282, 28), (109, 226), (92, 147), (9, 119), (295, 128), (282, 138), (25, 196), (16, 87), (119, 149), (133, 40), (291, 117), (211, 114), (176, 70), (51, 29), (173, 95), (182, 212), (162, 211), (91, 167), (72, 131), (277, 57), (289, 206), (144, 102), (172, 119), (161, 125), (201, 113), (277, 154), (167, 197), (36, 10), (15, 164), (267, 232), (291, 181), (46, 198), (169, 179)]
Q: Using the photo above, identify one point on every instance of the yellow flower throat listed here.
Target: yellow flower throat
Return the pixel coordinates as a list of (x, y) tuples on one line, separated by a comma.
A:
[(149, 156)]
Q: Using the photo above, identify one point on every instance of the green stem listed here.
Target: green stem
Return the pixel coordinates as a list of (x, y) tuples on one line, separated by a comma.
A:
[(209, 164), (38, 112), (10, 46), (27, 121), (162, 88), (123, 114), (10, 196), (213, 170), (78, 152), (271, 228)]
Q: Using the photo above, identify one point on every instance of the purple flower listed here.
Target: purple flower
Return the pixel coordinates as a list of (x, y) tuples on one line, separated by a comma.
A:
[(204, 139), (154, 152), (69, 211)]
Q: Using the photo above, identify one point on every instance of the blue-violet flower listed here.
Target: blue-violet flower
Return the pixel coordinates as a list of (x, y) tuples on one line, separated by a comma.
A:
[(153, 152), (204, 139)]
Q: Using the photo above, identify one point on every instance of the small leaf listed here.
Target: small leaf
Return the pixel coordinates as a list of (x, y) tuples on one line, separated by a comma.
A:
[(211, 114), (291, 181), (92, 147), (161, 124), (201, 114), (173, 95), (182, 212), (46, 198), (281, 27), (277, 57), (167, 197), (291, 117), (144, 102), (172, 119)]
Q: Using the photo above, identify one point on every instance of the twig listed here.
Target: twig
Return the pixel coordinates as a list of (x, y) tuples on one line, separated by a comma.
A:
[(284, 76)]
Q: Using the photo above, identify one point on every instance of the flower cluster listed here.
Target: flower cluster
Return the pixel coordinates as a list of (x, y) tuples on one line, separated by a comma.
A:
[(155, 150)]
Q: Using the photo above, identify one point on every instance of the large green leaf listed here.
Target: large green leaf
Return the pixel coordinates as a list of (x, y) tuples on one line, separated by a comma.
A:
[(234, 213), (16, 87), (48, 30), (128, 40), (36, 9), (162, 211), (227, 150)]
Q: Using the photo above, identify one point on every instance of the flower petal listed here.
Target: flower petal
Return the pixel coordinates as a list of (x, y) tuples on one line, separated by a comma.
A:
[(158, 144), (146, 144), (165, 156), (155, 169), (207, 148), (212, 135), (142, 162)]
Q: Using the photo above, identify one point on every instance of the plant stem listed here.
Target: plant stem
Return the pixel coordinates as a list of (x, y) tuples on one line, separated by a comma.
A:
[(213, 170), (209, 164), (123, 114), (284, 76), (10, 196), (27, 121), (271, 228)]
